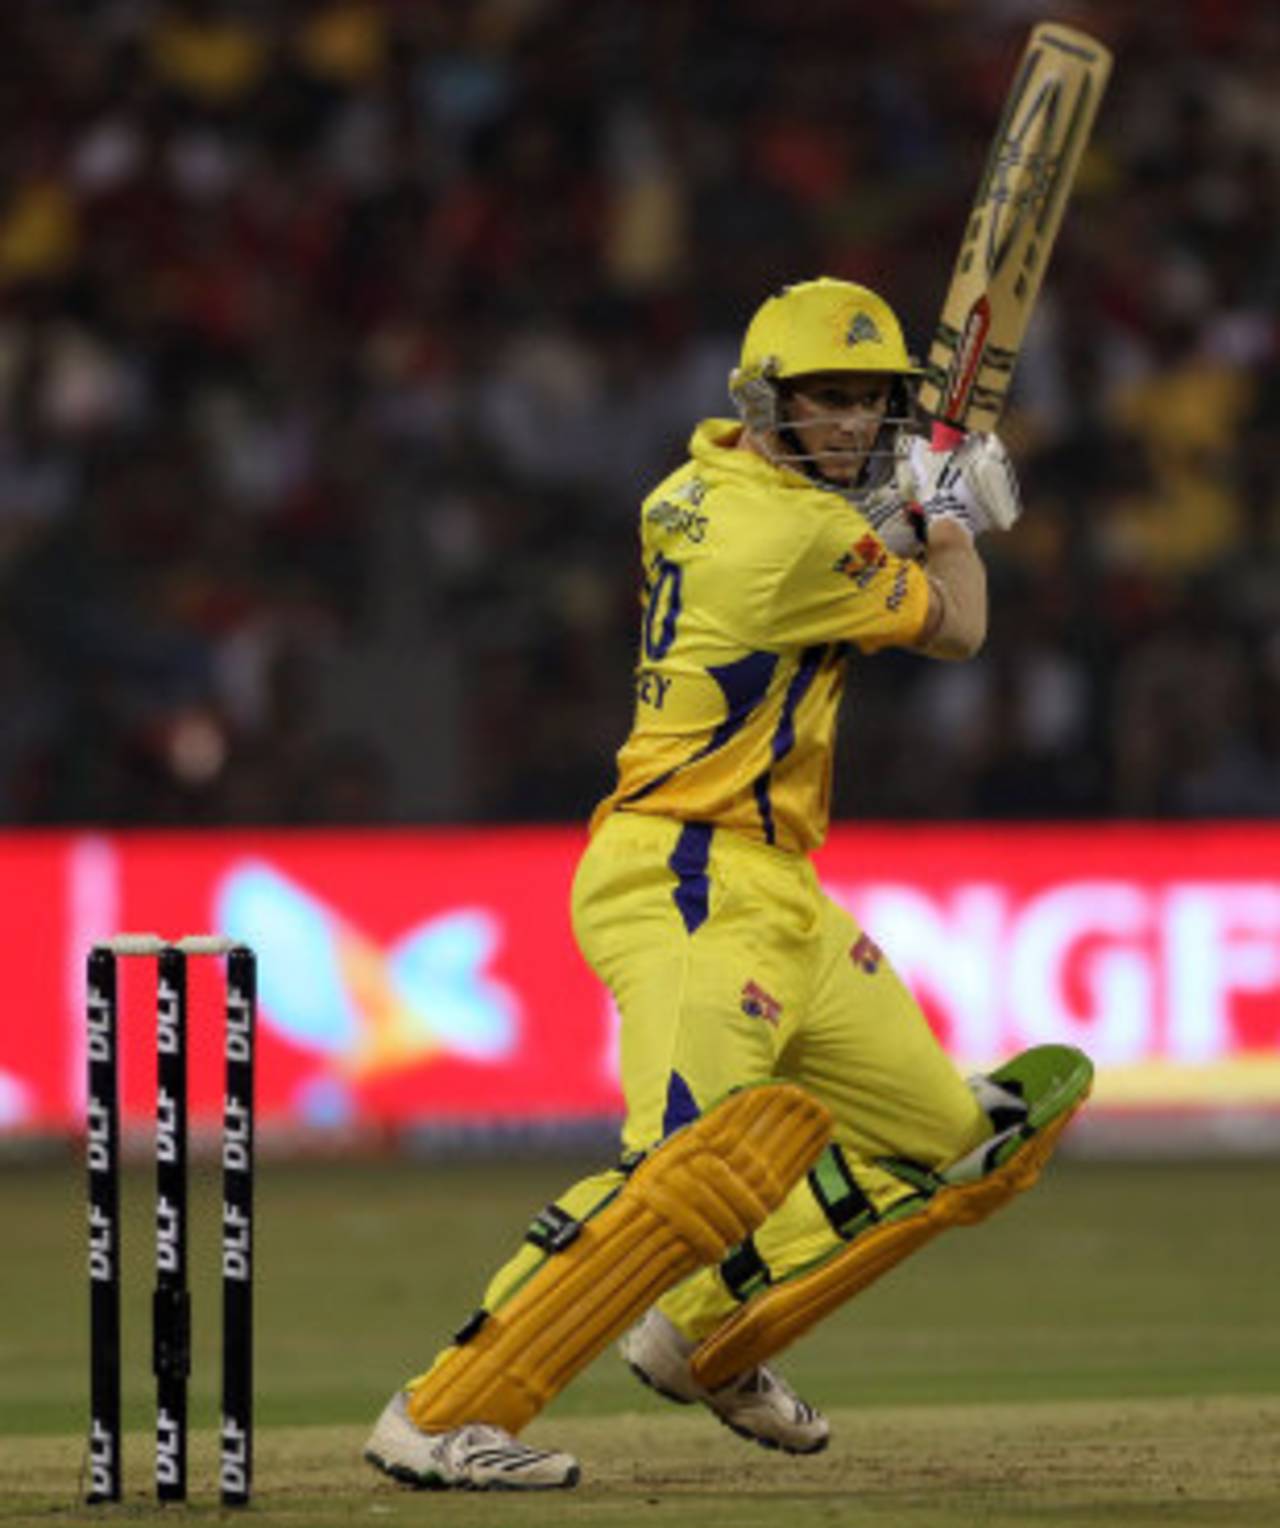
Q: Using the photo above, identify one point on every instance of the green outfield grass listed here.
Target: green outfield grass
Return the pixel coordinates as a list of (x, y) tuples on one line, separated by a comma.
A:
[(1106, 1350)]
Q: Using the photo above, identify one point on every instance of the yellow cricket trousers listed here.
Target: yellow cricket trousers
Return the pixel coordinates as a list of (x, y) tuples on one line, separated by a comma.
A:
[(730, 965)]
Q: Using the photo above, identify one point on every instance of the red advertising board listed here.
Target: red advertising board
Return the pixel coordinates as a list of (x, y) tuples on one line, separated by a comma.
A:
[(1155, 949), (415, 976)]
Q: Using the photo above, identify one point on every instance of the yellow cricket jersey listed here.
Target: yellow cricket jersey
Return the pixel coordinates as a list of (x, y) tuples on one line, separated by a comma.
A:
[(757, 583)]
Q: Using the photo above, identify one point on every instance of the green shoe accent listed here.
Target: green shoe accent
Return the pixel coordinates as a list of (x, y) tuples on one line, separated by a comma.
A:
[(1053, 1081), (1050, 1078)]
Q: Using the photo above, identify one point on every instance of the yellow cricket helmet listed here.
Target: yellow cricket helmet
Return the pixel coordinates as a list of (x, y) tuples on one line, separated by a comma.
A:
[(819, 326)]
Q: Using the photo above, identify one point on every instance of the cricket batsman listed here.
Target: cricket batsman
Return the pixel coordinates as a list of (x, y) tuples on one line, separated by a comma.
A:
[(793, 1129)]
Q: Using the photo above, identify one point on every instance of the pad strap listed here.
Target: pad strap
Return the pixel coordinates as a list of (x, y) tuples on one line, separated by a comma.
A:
[(744, 1271), (553, 1229), (846, 1207)]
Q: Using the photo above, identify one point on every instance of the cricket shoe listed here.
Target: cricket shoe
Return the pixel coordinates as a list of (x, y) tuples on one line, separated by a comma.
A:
[(758, 1405), (477, 1457)]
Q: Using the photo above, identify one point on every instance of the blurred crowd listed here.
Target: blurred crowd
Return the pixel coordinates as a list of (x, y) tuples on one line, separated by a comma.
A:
[(338, 341)]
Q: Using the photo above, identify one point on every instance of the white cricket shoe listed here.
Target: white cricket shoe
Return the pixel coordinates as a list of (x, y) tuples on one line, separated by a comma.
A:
[(477, 1457), (758, 1405)]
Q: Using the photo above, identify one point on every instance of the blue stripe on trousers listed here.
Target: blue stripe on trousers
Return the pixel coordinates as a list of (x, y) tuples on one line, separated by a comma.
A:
[(689, 862)]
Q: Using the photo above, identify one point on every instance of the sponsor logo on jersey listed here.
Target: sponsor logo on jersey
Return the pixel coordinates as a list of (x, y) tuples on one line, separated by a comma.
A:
[(757, 1004), (667, 516), (862, 561), (899, 591), (679, 512)]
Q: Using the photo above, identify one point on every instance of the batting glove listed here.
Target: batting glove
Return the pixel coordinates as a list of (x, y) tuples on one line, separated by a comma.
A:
[(974, 484)]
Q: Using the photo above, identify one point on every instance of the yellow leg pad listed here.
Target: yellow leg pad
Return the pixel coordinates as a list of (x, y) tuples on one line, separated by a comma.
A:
[(777, 1316), (700, 1193)]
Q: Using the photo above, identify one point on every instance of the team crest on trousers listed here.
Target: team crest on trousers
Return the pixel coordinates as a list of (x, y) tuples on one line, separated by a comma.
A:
[(757, 1004), (866, 954)]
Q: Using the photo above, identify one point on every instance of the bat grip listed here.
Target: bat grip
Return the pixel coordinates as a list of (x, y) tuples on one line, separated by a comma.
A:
[(945, 437)]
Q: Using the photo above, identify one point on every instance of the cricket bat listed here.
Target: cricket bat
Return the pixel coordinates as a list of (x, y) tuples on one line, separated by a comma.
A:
[(1030, 167)]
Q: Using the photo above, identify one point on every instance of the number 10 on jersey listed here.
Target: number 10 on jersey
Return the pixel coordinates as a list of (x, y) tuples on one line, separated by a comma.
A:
[(662, 607)]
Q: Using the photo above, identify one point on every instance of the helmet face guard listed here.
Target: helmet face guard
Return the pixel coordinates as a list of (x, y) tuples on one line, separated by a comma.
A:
[(765, 414), (823, 327)]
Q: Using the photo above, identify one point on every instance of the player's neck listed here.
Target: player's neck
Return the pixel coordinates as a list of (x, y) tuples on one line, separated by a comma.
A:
[(748, 440)]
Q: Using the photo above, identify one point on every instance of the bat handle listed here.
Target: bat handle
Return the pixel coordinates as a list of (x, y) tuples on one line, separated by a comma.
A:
[(945, 437)]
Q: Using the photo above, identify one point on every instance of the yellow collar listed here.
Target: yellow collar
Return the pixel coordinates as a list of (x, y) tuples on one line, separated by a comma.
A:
[(714, 445)]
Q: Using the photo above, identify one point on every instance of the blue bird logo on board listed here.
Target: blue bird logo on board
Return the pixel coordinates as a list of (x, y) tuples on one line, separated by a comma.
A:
[(368, 1009)]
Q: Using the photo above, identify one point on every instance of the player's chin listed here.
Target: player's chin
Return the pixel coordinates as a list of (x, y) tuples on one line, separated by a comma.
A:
[(843, 471)]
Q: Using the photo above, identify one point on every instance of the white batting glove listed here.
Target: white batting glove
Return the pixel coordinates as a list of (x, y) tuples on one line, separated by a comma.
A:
[(895, 523), (974, 484), (894, 509)]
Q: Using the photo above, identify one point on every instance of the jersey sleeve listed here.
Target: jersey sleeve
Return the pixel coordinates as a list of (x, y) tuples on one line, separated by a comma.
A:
[(844, 585)]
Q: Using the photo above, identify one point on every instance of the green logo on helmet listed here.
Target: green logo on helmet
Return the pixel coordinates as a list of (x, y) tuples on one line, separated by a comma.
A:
[(862, 331)]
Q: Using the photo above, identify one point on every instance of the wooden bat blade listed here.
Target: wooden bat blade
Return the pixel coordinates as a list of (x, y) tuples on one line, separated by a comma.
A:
[(1032, 163)]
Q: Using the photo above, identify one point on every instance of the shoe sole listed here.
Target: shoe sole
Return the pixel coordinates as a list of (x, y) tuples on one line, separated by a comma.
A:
[(648, 1379), (404, 1476), (771, 1443), (741, 1432)]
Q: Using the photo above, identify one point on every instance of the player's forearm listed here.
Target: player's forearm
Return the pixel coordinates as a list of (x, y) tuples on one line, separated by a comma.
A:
[(956, 625)]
